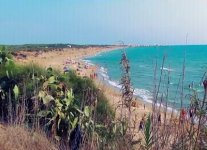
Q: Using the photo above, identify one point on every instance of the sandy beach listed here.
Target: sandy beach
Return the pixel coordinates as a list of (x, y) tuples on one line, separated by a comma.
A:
[(65, 59), (72, 58)]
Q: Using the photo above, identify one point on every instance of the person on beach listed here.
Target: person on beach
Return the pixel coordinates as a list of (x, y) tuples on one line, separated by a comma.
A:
[(159, 119), (182, 115), (191, 113), (189, 86), (141, 124)]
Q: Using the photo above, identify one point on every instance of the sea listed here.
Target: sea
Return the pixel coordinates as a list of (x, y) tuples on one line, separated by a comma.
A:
[(170, 73)]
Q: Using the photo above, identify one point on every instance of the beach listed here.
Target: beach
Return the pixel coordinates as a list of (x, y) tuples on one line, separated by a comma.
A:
[(65, 59), (72, 58)]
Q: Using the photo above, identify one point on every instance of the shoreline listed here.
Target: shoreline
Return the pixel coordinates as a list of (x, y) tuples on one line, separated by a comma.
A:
[(139, 100), (108, 82), (74, 59)]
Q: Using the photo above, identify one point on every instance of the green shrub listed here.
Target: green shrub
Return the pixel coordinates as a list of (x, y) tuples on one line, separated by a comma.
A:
[(41, 97)]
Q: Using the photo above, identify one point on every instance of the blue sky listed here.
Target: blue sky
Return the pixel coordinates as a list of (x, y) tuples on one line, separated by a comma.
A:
[(103, 21)]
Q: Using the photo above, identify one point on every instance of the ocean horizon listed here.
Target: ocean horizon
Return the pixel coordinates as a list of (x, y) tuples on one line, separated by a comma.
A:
[(143, 60)]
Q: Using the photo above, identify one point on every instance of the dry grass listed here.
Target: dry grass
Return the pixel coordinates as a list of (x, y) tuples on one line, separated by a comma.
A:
[(19, 138)]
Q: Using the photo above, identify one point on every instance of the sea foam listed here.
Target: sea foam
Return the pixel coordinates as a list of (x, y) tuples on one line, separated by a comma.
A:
[(143, 94)]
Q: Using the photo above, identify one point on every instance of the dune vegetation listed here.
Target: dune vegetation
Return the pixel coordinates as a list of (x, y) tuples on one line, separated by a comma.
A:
[(45, 109), (71, 111)]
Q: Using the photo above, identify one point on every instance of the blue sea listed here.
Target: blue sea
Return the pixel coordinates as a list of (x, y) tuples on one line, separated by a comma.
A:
[(143, 60)]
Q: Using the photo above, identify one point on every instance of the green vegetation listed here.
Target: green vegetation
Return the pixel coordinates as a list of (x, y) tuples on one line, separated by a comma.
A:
[(67, 107), (75, 114), (49, 47), (148, 134)]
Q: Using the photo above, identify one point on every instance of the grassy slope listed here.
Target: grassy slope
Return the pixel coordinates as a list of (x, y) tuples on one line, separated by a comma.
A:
[(22, 75), (19, 138)]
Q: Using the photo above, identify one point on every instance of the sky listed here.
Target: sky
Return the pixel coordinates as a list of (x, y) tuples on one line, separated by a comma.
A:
[(145, 22)]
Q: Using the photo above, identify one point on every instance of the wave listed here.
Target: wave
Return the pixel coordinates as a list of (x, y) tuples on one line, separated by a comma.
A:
[(88, 62), (114, 83), (103, 73), (103, 70), (143, 94), (166, 69)]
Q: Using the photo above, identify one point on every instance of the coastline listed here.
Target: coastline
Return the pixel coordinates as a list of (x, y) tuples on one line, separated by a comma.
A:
[(144, 96), (105, 79), (74, 59)]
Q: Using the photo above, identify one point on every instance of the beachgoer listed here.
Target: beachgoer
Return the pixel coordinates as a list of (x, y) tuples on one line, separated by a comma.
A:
[(205, 84), (159, 119), (182, 115), (191, 112), (65, 69), (141, 124), (189, 86)]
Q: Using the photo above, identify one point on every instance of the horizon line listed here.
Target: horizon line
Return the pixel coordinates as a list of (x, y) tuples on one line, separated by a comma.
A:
[(133, 45)]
